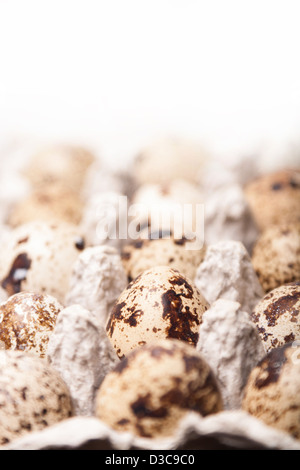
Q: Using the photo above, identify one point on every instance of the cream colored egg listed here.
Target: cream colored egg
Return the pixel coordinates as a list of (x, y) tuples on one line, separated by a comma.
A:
[(151, 389), (274, 198), (276, 256), (169, 158), (33, 396), (51, 202), (39, 258), (160, 303), (163, 249), (63, 164)]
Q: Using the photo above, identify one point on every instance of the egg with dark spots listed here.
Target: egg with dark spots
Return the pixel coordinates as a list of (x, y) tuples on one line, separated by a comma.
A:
[(276, 256), (39, 257), (272, 392), (158, 384), (277, 316), (27, 321), (160, 303), (274, 198), (33, 395)]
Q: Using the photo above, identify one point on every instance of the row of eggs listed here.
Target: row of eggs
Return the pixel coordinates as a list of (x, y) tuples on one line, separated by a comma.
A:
[(160, 304), (154, 329)]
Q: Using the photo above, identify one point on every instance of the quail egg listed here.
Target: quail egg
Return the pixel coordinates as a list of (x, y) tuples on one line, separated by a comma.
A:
[(161, 248), (64, 164), (276, 256), (160, 303), (272, 393), (27, 320), (274, 198), (151, 389), (39, 258), (169, 158), (33, 396), (52, 202)]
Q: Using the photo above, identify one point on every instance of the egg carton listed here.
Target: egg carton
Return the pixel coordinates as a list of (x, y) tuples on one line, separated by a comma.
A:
[(228, 430), (227, 338)]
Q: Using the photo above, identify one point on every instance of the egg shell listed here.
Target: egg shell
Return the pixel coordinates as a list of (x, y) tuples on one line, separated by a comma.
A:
[(27, 321), (64, 164), (33, 396), (160, 303), (39, 258), (277, 316), (274, 198), (151, 389), (272, 393), (52, 202), (166, 159), (276, 256), (161, 249)]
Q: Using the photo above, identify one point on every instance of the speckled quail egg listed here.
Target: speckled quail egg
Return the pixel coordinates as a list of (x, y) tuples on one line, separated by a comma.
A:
[(272, 393), (161, 248), (52, 202), (276, 256), (160, 303), (277, 316), (27, 320), (274, 198), (39, 258), (32, 395), (64, 164), (151, 389), (169, 158)]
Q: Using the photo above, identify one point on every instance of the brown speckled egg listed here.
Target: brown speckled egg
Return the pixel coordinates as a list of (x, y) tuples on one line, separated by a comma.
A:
[(151, 389), (272, 393), (277, 316), (160, 303), (274, 198), (161, 249), (39, 258), (27, 320), (32, 395), (276, 256)]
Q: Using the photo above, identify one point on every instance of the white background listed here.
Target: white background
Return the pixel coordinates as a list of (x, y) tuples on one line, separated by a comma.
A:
[(116, 73)]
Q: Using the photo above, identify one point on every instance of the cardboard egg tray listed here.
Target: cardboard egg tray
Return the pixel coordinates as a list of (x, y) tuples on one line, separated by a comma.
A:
[(229, 429)]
